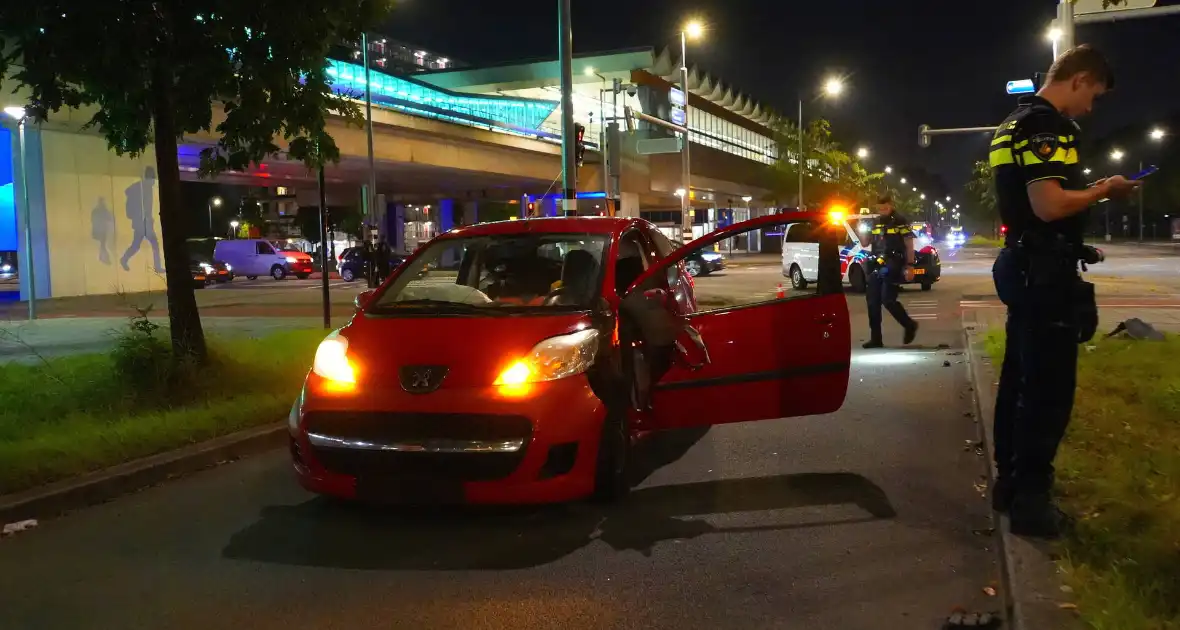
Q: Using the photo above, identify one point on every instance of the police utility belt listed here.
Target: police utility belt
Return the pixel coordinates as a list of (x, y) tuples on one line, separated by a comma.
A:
[(1054, 286)]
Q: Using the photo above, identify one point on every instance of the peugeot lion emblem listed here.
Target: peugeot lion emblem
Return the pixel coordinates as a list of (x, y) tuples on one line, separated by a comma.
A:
[(422, 379)]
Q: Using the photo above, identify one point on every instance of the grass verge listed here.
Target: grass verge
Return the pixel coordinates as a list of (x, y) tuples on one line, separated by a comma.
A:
[(1119, 473), (71, 415), (978, 240)]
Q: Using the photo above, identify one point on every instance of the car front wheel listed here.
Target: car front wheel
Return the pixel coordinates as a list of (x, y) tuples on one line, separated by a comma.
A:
[(347, 275), (278, 273), (693, 267)]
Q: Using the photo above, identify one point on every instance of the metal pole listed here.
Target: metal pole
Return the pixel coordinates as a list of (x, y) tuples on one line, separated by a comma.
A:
[(209, 204), (565, 52), (604, 163), (686, 220), (801, 161), (371, 192), (616, 193), (28, 224), (1141, 205), (324, 294)]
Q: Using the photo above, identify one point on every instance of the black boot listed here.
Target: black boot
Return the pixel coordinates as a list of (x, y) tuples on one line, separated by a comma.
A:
[(911, 331), (1034, 515), (875, 342)]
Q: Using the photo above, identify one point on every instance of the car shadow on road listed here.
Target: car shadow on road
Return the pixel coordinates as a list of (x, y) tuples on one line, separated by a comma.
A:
[(325, 533)]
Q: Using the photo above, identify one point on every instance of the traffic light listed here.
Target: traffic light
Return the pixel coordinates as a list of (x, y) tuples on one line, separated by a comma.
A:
[(1003, 230), (532, 208), (579, 143)]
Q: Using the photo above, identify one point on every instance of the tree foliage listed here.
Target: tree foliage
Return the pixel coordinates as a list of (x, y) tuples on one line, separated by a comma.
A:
[(151, 72), (829, 172)]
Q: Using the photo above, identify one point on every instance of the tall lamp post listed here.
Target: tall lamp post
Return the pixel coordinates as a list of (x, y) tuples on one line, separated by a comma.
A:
[(832, 88), (214, 202), (693, 29), (1156, 135), (27, 271)]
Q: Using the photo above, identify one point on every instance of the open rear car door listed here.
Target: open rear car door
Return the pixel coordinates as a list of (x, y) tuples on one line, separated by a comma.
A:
[(734, 346)]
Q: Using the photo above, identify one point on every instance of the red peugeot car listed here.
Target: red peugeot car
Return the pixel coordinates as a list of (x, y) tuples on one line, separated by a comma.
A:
[(521, 361)]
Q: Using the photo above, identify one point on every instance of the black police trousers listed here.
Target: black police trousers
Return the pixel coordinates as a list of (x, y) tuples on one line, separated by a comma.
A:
[(882, 291), (1037, 380)]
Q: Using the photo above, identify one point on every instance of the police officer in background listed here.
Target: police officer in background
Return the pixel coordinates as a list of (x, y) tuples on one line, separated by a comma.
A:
[(892, 261), (1044, 201)]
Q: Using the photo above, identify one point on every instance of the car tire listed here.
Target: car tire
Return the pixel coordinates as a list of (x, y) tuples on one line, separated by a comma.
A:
[(347, 275), (798, 282), (612, 469), (694, 268), (278, 273), (303, 276), (926, 286), (856, 279), (251, 277)]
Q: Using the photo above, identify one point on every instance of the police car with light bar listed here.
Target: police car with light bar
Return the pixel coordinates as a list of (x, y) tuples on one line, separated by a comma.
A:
[(801, 254)]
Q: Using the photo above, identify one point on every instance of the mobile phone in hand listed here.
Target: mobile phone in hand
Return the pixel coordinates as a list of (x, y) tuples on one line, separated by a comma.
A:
[(1150, 170)]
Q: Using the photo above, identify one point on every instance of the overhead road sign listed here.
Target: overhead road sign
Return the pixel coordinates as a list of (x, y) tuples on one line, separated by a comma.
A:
[(1022, 86)]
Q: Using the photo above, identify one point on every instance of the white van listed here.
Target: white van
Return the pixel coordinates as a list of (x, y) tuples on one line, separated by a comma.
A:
[(801, 256), (252, 257)]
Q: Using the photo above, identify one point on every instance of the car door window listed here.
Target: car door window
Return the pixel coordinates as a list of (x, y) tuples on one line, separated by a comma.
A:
[(264, 249), (631, 260)]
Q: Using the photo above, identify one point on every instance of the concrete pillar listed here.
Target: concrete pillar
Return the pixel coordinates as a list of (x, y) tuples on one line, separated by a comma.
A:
[(550, 207), (470, 212), (629, 205)]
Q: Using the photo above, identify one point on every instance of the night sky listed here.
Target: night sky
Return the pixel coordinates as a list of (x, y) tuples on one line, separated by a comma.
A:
[(908, 62)]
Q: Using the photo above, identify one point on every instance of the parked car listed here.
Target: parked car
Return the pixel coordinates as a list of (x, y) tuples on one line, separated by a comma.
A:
[(521, 361), (351, 263), (801, 255), (253, 257), (702, 263)]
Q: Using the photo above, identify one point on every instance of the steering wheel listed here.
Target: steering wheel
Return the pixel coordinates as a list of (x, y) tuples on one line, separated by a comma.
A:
[(553, 296)]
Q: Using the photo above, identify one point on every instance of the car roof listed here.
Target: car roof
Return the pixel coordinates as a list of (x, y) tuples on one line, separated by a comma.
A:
[(548, 225)]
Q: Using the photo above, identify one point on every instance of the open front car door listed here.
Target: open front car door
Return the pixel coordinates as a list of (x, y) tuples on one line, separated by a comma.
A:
[(737, 346)]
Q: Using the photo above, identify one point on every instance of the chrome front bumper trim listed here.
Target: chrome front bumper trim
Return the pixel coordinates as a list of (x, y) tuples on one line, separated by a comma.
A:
[(423, 446)]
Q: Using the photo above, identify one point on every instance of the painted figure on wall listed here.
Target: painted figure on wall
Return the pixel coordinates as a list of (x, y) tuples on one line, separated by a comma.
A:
[(143, 225), (102, 230)]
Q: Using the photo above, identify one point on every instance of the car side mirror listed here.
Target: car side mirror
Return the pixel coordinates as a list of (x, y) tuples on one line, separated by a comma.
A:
[(363, 298)]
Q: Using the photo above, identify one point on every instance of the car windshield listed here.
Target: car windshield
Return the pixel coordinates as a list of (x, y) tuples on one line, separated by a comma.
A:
[(512, 272)]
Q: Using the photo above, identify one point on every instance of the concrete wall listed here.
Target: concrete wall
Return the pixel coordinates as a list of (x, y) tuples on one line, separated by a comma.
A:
[(102, 217)]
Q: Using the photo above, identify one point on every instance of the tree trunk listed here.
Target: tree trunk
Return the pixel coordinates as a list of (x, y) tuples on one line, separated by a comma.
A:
[(188, 339)]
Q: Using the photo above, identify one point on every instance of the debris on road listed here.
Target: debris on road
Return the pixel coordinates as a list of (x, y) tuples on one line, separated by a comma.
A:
[(990, 591), (946, 364), (18, 526)]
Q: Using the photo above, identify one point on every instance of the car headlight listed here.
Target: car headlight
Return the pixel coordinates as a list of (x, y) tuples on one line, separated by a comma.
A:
[(228, 268), (207, 268), (711, 256), (552, 359), (331, 363), (292, 259), (5, 268)]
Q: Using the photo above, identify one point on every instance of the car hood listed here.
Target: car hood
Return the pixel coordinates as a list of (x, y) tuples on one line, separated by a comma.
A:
[(475, 349)]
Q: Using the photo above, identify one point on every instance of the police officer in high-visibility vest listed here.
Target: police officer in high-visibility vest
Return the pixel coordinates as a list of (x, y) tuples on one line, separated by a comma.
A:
[(891, 261), (1043, 200)]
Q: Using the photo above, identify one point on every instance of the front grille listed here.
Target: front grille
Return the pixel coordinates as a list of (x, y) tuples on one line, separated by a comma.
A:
[(395, 428)]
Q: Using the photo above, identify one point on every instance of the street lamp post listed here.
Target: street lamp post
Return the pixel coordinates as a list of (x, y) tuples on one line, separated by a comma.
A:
[(693, 29), (569, 170), (214, 202), (233, 228), (832, 88)]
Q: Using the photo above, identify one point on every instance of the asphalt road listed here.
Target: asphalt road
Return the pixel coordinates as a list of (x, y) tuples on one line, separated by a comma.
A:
[(867, 518)]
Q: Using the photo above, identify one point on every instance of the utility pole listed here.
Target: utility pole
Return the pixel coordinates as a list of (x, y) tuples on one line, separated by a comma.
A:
[(801, 159), (1140, 204), (370, 196), (565, 52)]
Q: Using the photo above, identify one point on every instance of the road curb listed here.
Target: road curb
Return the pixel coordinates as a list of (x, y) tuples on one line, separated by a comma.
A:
[(1032, 581), (103, 485)]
